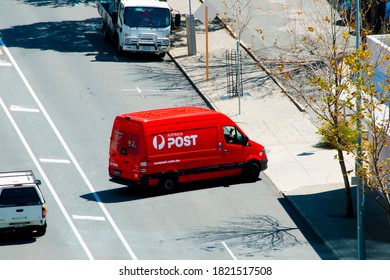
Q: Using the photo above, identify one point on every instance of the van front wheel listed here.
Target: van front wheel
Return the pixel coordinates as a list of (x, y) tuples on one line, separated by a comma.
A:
[(251, 172), (168, 183)]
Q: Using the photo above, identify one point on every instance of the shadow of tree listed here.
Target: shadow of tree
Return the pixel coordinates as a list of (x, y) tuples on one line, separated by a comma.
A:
[(257, 233), (57, 3), (63, 36)]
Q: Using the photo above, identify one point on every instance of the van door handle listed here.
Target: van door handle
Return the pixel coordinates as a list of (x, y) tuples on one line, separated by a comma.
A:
[(126, 162), (19, 210), (226, 151)]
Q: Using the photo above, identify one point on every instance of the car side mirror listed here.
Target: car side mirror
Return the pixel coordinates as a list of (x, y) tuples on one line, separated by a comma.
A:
[(245, 141)]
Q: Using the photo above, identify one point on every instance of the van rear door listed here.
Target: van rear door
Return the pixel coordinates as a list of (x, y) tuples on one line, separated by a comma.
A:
[(125, 150)]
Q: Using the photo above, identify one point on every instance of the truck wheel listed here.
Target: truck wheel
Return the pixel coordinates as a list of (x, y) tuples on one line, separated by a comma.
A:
[(168, 183), (41, 231), (250, 172), (118, 45), (106, 33), (120, 50)]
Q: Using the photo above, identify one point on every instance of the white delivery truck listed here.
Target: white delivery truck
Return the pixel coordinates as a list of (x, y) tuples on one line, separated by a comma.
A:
[(22, 205), (138, 26)]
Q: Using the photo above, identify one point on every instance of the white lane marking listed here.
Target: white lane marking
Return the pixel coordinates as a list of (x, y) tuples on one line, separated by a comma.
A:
[(70, 154), (5, 64), (53, 160), (46, 179), (18, 108), (92, 218), (229, 251), (140, 92)]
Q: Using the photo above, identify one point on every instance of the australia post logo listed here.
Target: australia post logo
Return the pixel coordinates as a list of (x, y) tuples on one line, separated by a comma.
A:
[(174, 140)]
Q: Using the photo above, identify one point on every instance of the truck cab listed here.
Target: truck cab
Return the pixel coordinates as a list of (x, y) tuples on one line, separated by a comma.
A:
[(138, 26)]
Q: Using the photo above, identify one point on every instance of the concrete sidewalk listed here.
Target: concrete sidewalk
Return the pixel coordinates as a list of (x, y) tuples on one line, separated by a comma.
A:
[(302, 171)]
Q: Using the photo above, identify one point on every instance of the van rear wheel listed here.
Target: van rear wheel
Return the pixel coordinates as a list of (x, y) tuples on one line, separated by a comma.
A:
[(251, 172), (168, 183)]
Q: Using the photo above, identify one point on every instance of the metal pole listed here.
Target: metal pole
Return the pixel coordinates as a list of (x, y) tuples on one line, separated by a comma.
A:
[(361, 245), (238, 80), (206, 16), (190, 29)]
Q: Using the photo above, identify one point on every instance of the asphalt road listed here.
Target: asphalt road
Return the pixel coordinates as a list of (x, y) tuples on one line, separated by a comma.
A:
[(61, 87)]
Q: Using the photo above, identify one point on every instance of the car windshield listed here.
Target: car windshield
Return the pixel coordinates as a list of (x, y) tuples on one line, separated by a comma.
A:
[(19, 197), (147, 17)]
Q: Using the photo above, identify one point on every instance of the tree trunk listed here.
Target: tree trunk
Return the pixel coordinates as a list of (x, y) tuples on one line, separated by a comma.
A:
[(348, 194)]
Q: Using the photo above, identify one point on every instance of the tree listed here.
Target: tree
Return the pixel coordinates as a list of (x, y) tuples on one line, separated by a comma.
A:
[(237, 14), (317, 74), (240, 12), (374, 92), (328, 73)]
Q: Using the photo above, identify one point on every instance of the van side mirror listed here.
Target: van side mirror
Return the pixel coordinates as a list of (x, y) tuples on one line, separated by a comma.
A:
[(245, 141)]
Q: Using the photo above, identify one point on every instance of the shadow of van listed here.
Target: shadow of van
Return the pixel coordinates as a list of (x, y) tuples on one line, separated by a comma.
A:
[(135, 192)]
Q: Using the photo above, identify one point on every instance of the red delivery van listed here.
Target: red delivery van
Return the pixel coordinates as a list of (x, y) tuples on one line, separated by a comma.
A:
[(168, 146)]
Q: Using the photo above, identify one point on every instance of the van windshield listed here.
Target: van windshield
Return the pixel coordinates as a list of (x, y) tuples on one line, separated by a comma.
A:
[(147, 17), (125, 142), (19, 197)]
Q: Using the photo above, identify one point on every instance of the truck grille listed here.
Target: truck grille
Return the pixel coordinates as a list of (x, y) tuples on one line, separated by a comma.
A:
[(147, 39)]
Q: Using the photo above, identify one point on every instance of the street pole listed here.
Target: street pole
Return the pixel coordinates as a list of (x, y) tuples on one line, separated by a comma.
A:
[(361, 238), (190, 29), (238, 78), (206, 16)]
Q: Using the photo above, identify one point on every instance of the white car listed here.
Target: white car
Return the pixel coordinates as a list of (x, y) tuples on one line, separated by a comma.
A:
[(22, 205)]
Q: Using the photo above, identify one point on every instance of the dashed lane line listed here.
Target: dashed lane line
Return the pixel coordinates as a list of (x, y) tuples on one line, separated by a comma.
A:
[(71, 157), (53, 160), (46, 179), (19, 108), (91, 218)]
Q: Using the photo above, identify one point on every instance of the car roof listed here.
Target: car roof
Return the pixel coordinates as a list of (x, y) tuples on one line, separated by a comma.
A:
[(17, 178)]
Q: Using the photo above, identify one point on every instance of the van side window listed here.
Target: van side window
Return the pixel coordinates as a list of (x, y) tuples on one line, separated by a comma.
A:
[(232, 135)]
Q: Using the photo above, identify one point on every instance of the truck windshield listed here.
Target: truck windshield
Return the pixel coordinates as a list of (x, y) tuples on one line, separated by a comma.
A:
[(147, 17)]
